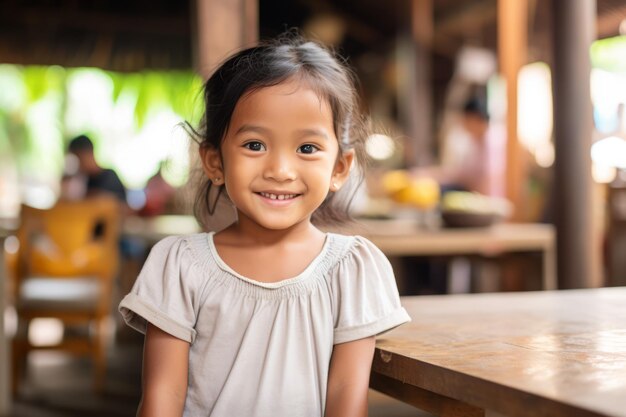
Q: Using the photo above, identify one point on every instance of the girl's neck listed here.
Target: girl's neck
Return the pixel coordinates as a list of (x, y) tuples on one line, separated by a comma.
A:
[(248, 232), (267, 255)]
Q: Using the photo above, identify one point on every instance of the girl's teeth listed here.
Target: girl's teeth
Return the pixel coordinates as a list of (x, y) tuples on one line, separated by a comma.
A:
[(278, 197)]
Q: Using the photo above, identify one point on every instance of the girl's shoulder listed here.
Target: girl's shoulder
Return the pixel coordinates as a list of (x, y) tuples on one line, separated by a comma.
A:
[(354, 251), (191, 248), (365, 298)]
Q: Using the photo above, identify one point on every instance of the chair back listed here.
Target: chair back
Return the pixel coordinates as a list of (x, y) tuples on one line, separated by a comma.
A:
[(71, 239)]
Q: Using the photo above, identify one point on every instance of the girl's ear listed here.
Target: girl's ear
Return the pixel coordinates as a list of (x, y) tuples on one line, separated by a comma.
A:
[(342, 170), (212, 164)]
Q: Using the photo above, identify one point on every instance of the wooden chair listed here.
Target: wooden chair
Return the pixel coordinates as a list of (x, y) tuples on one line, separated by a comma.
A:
[(66, 265)]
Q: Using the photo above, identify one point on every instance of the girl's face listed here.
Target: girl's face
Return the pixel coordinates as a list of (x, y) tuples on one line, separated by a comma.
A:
[(279, 157)]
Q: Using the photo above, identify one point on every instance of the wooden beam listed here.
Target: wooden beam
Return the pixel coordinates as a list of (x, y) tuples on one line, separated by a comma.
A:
[(466, 18), (44, 18), (422, 28), (221, 28), (358, 28), (414, 88), (5, 345), (577, 251), (512, 53), (428, 401)]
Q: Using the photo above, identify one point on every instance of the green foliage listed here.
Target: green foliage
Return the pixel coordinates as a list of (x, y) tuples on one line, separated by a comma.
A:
[(32, 114), (36, 83), (152, 90), (40, 81), (609, 54)]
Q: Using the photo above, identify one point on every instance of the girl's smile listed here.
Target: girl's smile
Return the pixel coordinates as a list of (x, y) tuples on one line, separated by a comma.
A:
[(278, 196)]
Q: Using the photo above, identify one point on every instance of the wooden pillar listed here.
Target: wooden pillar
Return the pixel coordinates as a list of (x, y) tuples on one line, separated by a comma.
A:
[(222, 27), (573, 31), (414, 88), (5, 345), (512, 53)]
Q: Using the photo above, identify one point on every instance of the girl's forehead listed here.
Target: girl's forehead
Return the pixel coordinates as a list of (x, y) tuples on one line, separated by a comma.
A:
[(288, 99), (289, 87)]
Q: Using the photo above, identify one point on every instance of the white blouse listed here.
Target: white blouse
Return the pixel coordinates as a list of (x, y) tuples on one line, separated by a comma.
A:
[(262, 349)]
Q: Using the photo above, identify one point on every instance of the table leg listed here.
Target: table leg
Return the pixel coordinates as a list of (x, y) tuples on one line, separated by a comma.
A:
[(549, 269)]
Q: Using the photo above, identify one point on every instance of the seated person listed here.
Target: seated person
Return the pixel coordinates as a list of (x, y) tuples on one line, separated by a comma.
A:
[(472, 155), (99, 180), (159, 195)]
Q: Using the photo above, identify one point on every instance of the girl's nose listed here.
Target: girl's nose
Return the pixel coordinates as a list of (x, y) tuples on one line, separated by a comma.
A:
[(280, 168)]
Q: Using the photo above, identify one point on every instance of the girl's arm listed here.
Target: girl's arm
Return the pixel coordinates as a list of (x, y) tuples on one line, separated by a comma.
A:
[(164, 381), (348, 378)]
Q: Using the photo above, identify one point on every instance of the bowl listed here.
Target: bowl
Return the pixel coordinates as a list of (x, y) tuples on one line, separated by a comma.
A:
[(456, 218)]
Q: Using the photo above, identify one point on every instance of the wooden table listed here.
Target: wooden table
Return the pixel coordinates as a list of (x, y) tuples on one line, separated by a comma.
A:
[(547, 353), (396, 238), (404, 238)]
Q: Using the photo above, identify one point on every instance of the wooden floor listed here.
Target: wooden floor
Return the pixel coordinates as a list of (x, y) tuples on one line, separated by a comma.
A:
[(60, 386)]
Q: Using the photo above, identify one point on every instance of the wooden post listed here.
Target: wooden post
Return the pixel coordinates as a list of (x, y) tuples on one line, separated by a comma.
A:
[(221, 28), (422, 30), (414, 88), (512, 53), (5, 345), (573, 31)]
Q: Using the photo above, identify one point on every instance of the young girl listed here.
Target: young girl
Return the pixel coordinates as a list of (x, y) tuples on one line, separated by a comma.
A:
[(270, 316)]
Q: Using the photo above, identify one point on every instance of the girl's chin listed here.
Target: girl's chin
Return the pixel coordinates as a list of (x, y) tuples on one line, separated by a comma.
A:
[(278, 223)]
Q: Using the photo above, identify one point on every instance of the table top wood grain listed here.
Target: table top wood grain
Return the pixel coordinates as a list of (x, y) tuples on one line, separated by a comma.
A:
[(549, 353)]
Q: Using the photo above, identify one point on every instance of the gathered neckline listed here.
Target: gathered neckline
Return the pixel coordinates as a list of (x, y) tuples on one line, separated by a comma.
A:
[(269, 285)]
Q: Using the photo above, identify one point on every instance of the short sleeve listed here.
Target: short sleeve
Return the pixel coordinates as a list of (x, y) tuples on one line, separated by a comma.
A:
[(165, 293), (365, 296)]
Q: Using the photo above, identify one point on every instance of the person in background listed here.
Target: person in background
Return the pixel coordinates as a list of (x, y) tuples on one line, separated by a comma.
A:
[(90, 179), (270, 316), (159, 194), (472, 160), (472, 156), (99, 180)]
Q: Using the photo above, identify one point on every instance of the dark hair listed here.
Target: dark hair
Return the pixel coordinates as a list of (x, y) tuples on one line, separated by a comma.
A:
[(287, 58), (477, 107), (80, 143)]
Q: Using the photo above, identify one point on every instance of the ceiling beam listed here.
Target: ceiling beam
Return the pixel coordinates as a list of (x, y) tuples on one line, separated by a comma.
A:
[(466, 18), (44, 18)]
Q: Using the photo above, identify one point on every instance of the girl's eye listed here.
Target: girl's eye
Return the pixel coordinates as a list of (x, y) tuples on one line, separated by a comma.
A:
[(308, 148), (255, 146)]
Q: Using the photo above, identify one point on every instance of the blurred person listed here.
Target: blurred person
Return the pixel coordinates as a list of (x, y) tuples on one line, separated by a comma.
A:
[(472, 160), (159, 194), (85, 178), (98, 179), (472, 156)]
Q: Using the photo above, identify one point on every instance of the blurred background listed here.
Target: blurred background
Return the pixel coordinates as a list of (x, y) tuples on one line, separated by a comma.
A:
[(499, 134)]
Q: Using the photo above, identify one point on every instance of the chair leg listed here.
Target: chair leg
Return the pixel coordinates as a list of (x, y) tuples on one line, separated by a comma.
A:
[(100, 355), (19, 362), (15, 370)]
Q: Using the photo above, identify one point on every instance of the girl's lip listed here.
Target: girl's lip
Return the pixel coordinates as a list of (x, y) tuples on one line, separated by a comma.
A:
[(278, 194)]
